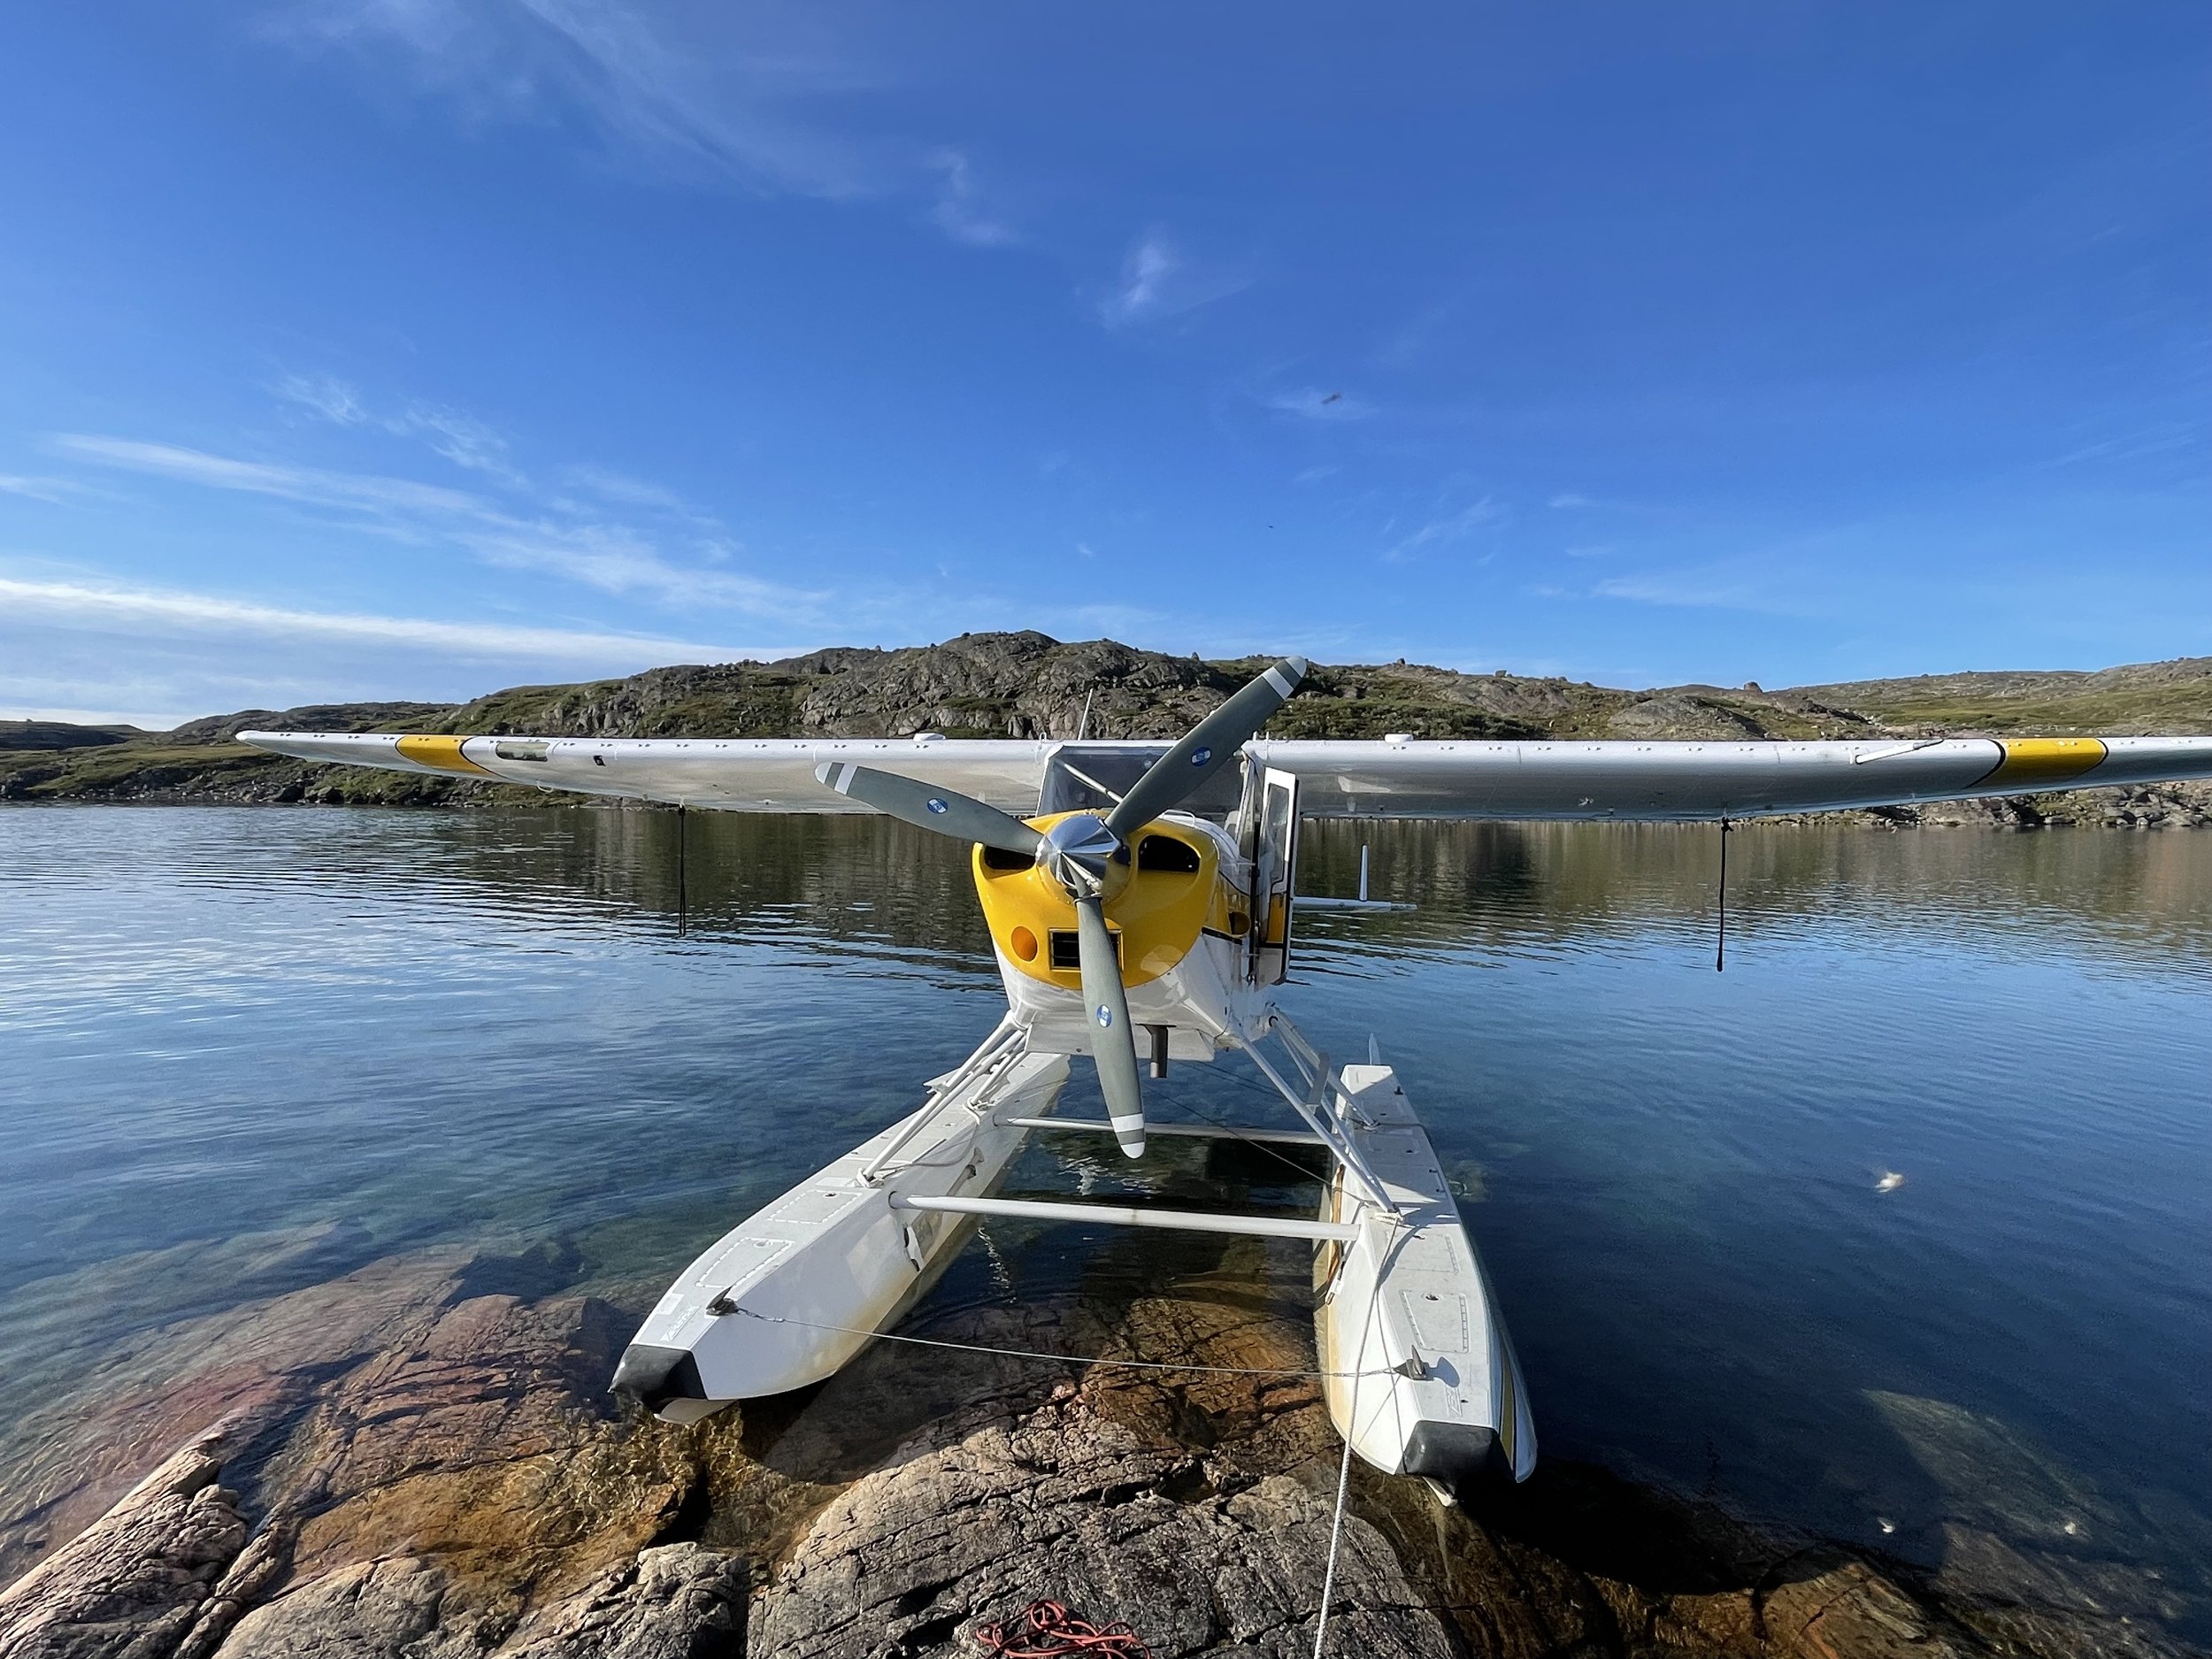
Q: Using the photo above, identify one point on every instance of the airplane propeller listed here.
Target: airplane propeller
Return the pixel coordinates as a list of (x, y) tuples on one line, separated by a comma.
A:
[(1079, 849), (947, 812)]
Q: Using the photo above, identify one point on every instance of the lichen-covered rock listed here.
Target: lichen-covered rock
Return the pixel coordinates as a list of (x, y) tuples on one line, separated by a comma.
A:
[(1674, 715), (676, 1602), (129, 1586), (260, 1567), (373, 1609), (976, 1519)]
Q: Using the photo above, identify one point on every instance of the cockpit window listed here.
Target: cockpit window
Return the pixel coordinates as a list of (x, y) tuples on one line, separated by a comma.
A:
[(1092, 777), (1164, 852)]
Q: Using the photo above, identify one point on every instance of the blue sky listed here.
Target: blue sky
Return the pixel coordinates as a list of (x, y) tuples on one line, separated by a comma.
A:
[(416, 348)]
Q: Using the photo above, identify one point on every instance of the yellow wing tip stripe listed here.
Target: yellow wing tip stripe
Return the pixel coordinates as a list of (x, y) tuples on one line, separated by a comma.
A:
[(2028, 762), (444, 753)]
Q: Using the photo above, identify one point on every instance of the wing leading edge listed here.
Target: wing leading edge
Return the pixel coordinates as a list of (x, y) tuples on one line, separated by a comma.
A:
[(735, 774), (1616, 781), (1694, 781)]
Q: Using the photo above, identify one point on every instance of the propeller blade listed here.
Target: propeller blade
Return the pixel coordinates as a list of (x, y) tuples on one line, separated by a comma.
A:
[(1169, 780), (931, 806), (1113, 1044)]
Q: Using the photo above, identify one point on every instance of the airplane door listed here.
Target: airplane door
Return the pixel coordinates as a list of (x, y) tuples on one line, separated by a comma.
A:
[(1274, 869)]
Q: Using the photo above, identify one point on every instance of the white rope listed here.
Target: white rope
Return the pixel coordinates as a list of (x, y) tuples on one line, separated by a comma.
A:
[(1336, 1534), (1344, 1468)]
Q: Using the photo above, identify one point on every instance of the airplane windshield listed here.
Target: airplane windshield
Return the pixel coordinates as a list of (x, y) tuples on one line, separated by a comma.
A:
[(1092, 777)]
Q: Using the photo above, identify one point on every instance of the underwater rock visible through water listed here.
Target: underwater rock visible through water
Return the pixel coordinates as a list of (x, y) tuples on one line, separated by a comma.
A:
[(447, 1478)]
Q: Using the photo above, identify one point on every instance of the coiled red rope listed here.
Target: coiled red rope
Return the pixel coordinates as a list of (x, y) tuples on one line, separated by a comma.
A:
[(1046, 1630)]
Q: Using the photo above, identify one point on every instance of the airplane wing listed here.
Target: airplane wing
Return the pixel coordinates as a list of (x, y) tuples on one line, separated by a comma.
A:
[(1691, 781), (1425, 779), (735, 774)]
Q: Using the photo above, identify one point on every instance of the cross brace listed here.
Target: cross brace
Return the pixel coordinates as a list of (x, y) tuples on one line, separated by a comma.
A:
[(1127, 1216)]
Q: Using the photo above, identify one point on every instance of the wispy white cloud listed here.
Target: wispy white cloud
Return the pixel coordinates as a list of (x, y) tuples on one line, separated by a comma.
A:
[(1568, 501), (757, 97), (1145, 271), (459, 438), (1315, 474), (959, 212), (1689, 590), (359, 491), (624, 490), (56, 492), (617, 560), (719, 108), (1310, 403), (2164, 438), (164, 610), (611, 556), (324, 395), (1158, 280), (1441, 532), (465, 441)]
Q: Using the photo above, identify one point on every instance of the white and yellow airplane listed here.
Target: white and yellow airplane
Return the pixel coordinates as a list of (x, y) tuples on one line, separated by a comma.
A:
[(1139, 909)]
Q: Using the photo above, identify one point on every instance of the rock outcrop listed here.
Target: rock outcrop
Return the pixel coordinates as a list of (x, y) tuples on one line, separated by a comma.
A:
[(970, 1531), (441, 1476), (133, 1585), (672, 1601)]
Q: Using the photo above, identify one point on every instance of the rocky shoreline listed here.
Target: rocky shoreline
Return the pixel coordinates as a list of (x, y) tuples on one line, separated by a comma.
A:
[(416, 1459), (1027, 685)]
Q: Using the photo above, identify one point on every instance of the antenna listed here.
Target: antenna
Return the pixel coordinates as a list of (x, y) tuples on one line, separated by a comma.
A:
[(1083, 726)]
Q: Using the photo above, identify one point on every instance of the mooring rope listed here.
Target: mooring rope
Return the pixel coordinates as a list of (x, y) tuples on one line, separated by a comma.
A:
[(1336, 1534), (1047, 1630), (1344, 1468)]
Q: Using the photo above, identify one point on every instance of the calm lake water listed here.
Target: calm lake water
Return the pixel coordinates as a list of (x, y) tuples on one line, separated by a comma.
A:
[(477, 1025)]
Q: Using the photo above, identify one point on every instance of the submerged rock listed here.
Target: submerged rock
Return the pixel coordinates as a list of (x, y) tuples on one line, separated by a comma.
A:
[(447, 1478)]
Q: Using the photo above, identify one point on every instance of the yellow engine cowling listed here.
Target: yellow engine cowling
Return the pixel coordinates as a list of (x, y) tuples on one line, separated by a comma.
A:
[(1157, 909)]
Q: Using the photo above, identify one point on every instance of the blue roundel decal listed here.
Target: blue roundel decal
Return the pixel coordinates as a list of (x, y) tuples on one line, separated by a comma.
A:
[(1105, 1015), (935, 805), (1200, 756)]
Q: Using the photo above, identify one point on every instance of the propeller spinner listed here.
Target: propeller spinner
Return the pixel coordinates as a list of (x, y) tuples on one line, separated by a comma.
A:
[(1082, 852)]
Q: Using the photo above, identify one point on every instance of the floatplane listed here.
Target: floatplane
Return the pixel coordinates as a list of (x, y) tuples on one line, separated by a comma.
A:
[(1139, 899)]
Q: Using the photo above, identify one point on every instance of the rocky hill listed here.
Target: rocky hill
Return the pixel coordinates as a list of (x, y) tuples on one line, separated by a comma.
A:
[(2138, 699), (1028, 685)]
